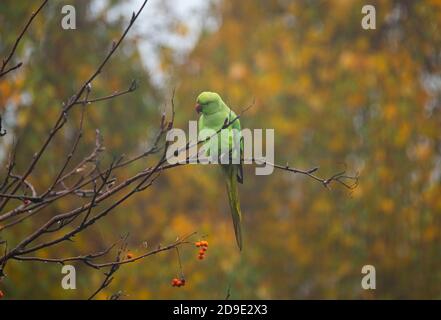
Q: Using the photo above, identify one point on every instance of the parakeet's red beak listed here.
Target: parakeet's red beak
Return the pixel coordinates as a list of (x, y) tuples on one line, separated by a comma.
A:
[(198, 108)]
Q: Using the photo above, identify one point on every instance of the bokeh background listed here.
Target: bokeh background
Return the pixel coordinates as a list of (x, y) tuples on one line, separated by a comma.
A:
[(337, 95)]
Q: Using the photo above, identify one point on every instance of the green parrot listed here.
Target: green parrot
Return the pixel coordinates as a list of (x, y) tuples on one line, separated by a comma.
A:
[(214, 114)]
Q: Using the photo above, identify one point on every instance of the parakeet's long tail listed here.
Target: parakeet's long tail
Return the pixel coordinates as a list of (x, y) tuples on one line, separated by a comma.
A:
[(231, 172)]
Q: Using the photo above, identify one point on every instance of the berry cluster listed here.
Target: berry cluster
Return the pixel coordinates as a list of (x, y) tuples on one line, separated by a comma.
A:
[(204, 246), (178, 282)]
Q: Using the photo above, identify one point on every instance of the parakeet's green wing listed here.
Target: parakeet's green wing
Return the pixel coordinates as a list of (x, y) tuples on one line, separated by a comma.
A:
[(236, 125)]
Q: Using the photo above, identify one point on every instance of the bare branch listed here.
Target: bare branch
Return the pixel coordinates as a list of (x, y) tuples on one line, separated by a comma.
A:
[(109, 275), (17, 41), (132, 88), (348, 181), (71, 102)]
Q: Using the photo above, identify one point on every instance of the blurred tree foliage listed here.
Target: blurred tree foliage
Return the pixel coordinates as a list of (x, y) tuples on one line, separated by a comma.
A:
[(335, 94)]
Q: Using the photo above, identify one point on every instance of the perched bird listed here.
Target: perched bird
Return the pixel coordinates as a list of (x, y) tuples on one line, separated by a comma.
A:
[(214, 115)]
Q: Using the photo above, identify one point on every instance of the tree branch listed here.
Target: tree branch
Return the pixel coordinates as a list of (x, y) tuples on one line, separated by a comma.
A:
[(17, 41)]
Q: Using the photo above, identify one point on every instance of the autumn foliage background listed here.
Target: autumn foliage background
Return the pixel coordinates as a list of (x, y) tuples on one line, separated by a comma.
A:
[(337, 96)]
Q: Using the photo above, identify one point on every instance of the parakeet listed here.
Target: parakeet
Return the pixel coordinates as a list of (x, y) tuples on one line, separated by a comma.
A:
[(214, 114)]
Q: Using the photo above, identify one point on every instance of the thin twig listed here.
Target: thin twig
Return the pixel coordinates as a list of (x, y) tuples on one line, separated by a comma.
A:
[(71, 102), (17, 41)]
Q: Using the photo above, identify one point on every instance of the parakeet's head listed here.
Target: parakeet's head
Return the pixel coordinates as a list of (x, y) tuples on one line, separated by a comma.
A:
[(208, 102)]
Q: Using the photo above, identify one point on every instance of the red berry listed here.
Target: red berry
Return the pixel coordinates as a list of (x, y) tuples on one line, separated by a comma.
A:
[(201, 256), (183, 282), (175, 282), (1, 294), (129, 255), (198, 244), (201, 252)]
